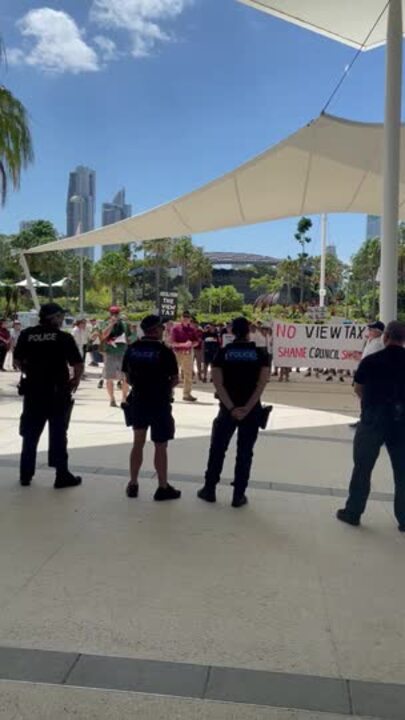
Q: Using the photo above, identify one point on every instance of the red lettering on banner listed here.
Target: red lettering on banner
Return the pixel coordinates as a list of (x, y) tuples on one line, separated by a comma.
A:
[(297, 352), (351, 355), (286, 331)]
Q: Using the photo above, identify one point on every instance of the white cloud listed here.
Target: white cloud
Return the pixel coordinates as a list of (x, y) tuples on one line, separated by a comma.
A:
[(58, 44), (107, 47), (144, 19)]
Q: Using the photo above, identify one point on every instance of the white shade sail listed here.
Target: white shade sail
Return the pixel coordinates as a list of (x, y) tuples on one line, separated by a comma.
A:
[(347, 21), (36, 283), (330, 166), (59, 283)]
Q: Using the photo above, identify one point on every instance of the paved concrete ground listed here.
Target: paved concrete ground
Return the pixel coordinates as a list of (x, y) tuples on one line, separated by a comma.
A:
[(277, 587)]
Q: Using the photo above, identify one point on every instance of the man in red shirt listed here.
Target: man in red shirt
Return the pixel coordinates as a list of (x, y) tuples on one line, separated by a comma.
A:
[(184, 340)]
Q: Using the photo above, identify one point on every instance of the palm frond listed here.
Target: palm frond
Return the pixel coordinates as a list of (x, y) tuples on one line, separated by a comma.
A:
[(16, 151)]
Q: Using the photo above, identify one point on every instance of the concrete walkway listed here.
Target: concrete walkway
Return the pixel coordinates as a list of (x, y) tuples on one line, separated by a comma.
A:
[(184, 610)]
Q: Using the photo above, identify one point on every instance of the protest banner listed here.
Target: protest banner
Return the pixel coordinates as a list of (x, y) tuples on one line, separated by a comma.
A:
[(332, 346), (168, 305)]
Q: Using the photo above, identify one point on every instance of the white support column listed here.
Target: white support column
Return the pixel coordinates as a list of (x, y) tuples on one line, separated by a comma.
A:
[(81, 292), (30, 286), (392, 142), (324, 236)]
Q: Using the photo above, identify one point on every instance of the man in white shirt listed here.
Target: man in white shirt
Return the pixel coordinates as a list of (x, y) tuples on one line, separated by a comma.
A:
[(375, 341), (257, 336)]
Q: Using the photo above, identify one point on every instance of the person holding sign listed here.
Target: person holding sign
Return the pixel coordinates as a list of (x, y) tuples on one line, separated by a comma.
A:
[(240, 374), (380, 384)]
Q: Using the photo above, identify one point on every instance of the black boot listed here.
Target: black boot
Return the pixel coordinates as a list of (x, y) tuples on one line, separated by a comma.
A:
[(347, 517), (65, 479), (208, 494), (239, 501)]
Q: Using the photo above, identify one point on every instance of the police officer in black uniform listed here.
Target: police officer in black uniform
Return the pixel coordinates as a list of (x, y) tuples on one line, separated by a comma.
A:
[(240, 374), (152, 372), (380, 384), (44, 354)]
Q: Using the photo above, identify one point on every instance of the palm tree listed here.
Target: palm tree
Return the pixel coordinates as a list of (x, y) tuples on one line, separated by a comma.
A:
[(157, 256), (183, 251), (15, 142), (200, 270)]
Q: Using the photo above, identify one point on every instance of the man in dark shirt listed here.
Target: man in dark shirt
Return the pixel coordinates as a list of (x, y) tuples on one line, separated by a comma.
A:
[(240, 375), (152, 371), (210, 347), (44, 354), (380, 384)]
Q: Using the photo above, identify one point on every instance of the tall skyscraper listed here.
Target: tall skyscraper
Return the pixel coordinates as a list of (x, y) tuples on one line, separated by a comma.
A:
[(373, 228), (331, 250), (81, 203), (113, 212), (26, 224)]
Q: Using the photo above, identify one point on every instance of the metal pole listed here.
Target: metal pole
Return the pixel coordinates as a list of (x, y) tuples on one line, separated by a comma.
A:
[(324, 235), (30, 286), (392, 148), (81, 299)]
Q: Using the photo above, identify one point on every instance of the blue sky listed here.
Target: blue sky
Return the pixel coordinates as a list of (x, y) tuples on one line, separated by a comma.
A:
[(161, 96)]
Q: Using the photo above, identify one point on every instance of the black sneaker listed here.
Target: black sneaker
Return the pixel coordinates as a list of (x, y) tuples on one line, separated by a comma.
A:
[(66, 480), (167, 493), (25, 481), (207, 494), (100, 384), (401, 528), (189, 398), (132, 490), (348, 517), (239, 501)]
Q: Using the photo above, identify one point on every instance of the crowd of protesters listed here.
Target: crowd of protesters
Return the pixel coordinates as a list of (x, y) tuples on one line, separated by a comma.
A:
[(147, 362)]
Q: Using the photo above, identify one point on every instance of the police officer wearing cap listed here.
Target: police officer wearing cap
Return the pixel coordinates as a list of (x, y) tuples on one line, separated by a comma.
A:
[(44, 354), (152, 372), (380, 384), (240, 374)]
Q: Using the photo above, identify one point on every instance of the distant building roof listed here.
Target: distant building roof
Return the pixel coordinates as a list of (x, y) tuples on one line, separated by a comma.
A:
[(232, 258)]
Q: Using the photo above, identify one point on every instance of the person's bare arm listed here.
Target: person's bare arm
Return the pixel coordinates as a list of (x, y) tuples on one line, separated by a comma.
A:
[(182, 345), (78, 370), (261, 384), (358, 389), (218, 380), (105, 334)]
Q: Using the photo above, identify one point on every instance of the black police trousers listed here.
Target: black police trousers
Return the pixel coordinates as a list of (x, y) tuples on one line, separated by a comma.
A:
[(36, 413), (223, 429), (370, 436)]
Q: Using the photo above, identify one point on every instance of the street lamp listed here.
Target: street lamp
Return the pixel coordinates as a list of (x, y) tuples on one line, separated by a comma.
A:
[(77, 199)]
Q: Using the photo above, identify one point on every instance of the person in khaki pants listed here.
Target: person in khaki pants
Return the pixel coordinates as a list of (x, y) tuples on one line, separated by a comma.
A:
[(184, 340)]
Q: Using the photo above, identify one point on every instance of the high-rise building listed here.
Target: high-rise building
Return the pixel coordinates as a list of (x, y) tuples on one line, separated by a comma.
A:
[(113, 212), (26, 224), (81, 203), (373, 228), (331, 250)]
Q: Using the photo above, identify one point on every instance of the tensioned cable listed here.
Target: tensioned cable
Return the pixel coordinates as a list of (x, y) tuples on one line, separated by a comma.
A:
[(356, 55)]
